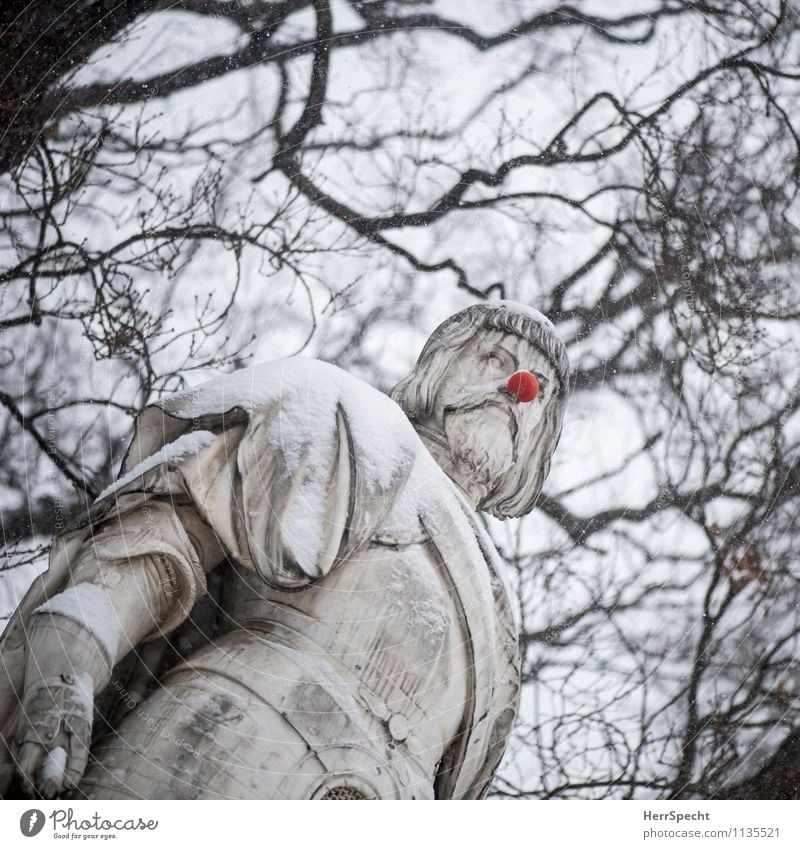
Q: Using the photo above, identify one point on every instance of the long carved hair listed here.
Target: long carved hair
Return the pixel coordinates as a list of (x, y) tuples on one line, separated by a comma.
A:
[(516, 491)]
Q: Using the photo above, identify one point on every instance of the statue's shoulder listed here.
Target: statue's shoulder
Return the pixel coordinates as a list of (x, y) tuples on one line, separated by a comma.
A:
[(306, 392), (296, 403), (314, 384)]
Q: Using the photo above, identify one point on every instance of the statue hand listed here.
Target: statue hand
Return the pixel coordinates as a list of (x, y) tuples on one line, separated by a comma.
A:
[(54, 732), (64, 668)]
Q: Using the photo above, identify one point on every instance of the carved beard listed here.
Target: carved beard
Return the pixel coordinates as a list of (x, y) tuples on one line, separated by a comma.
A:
[(481, 443)]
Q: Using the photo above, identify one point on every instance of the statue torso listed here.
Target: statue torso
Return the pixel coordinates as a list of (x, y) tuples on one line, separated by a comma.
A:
[(399, 662), (389, 625)]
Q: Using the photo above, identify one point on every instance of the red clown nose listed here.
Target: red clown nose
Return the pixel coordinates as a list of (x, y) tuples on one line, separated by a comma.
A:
[(523, 386)]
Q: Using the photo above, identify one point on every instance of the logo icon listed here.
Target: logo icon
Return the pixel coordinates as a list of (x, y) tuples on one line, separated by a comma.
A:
[(31, 822)]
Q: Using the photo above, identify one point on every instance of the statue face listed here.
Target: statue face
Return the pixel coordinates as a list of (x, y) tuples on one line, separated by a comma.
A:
[(486, 428)]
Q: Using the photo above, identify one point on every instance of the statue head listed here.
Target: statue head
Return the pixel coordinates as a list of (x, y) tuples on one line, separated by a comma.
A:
[(492, 434)]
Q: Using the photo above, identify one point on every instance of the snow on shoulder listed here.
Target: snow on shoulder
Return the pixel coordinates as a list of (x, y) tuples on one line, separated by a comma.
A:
[(301, 412), (307, 394), (188, 445)]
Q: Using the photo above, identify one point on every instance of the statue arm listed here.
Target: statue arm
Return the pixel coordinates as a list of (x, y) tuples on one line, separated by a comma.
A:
[(313, 503), (135, 579), (297, 517)]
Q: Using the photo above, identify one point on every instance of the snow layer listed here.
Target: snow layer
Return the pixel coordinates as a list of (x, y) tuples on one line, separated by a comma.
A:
[(307, 432), (54, 765), (89, 606), (188, 445), (302, 402), (524, 309), (310, 391)]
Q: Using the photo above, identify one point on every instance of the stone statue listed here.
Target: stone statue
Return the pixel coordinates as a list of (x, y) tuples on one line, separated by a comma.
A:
[(286, 593)]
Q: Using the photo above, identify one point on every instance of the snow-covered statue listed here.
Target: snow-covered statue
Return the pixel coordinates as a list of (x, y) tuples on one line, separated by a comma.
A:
[(286, 593)]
